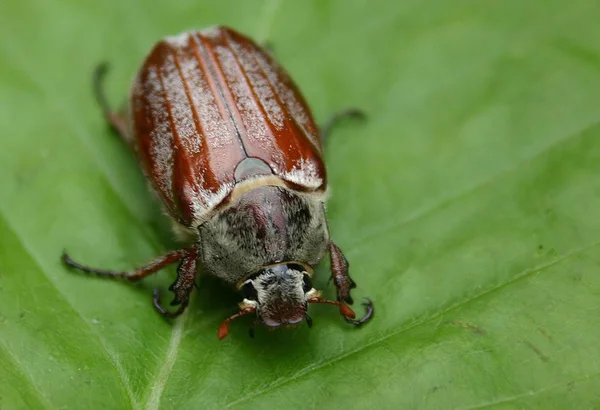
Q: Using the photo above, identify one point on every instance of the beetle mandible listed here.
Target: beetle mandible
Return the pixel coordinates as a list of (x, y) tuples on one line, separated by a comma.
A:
[(230, 146)]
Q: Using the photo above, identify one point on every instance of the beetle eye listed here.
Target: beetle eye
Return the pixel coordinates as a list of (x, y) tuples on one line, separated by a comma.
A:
[(307, 283), (249, 291)]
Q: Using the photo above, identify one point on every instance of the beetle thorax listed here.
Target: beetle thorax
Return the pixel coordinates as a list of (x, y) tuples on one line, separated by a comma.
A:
[(265, 226)]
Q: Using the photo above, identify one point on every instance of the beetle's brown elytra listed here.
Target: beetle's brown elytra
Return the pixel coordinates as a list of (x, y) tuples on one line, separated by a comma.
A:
[(233, 152)]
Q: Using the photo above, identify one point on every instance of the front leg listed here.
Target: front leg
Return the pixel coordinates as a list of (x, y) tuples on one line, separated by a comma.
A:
[(339, 273), (344, 283), (183, 285)]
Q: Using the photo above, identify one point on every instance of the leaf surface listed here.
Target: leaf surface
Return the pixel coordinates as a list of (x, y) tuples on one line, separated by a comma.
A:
[(468, 206)]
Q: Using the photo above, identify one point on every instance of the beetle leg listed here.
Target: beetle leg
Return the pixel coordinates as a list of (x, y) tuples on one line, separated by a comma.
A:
[(183, 285), (135, 275), (337, 118), (339, 273), (368, 304), (117, 121), (268, 46), (344, 283)]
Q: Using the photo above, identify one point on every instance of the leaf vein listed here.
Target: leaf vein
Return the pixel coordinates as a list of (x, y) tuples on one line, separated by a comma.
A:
[(510, 399), (37, 392), (266, 22), (123, 377), (422, 213), (162, 376)]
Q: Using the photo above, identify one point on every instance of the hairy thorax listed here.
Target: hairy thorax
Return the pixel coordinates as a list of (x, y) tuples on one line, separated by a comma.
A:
[(265, 226)]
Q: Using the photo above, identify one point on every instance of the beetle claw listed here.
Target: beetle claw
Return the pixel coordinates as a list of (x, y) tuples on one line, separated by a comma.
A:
[(370, 311), (161, 310)]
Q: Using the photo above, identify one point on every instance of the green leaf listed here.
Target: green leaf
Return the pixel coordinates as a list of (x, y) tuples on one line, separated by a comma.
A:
[(468, 206)]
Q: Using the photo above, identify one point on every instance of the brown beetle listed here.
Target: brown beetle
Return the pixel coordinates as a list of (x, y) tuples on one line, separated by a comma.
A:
[(231, 148)]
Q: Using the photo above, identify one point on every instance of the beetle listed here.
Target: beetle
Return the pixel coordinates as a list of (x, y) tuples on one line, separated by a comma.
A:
[(232, 151)]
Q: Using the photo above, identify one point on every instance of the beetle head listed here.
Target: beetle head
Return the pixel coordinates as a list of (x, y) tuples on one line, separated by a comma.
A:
[(279, 295)]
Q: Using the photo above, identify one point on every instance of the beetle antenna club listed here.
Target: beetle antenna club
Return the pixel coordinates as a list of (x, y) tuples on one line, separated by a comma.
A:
[(224, 327), (239, 167), (346, 311)]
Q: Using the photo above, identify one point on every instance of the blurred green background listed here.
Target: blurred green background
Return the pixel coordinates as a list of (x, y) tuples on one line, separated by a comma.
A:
[(468, 206)]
